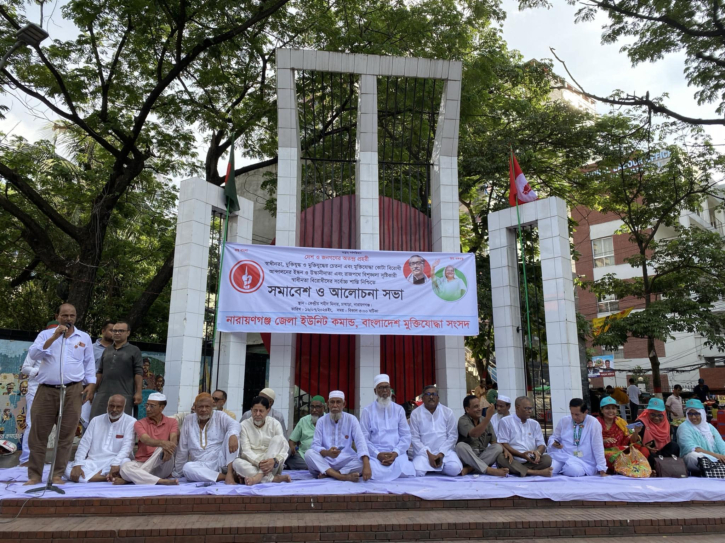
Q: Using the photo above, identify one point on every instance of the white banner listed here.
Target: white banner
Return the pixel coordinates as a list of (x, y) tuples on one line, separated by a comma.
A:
[(335, 291)]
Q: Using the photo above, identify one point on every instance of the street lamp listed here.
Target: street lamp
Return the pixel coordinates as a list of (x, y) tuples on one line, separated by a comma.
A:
[(31, 34)]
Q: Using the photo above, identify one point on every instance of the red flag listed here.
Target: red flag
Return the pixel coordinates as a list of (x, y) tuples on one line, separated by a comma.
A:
[(519, 186)]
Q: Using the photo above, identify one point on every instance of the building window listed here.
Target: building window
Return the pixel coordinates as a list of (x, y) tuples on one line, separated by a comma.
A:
[(608, 304), (603, 251), (617, 353)]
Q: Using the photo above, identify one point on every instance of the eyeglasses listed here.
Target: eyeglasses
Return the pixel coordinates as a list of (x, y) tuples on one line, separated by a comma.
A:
[(694, 414), (119, 331), (528, 408), (431, 394), (656, 416), (416, 263), (217, 399)]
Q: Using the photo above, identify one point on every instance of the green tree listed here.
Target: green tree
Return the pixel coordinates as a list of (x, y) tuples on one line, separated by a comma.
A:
[(652, 29), (680, 267)]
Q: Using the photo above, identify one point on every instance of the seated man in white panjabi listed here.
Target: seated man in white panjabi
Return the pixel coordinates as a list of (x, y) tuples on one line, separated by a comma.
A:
[(387, 434), (264, 447), (576, 446), (434, 433), (331, 453), (270, 395), (208, 444), (106, 444)]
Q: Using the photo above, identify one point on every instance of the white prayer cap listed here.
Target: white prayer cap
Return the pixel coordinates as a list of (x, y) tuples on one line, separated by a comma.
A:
[(504, 399), (268, 392), (382, 378), (157, 397), (337, 394)]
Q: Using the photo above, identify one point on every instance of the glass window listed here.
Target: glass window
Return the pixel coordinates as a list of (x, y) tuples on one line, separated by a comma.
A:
[(608, 304), (618, 353), (603, 251)]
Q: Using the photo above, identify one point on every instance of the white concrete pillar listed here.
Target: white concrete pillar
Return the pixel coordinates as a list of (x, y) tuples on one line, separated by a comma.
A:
[(559, 307), (450, 352), (289, 175), (559, 310), (367, 348), (188, 291), (511, 372), (232, 355)]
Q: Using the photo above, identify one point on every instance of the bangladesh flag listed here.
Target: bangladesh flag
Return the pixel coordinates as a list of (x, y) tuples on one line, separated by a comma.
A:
[(230, 188)]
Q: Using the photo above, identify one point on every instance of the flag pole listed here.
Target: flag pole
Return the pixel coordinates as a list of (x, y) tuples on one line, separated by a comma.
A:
[(523, 259), (216, 301)]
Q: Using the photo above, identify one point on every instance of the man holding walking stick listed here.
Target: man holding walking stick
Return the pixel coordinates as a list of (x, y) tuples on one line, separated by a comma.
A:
[(68, 348)]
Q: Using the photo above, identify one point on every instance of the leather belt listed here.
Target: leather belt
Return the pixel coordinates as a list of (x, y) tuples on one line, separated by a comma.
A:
[(58, 386)]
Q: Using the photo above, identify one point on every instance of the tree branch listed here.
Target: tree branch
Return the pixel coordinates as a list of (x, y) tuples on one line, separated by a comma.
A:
[(635, 101), (24, 187), (25, 275), (151, 292)]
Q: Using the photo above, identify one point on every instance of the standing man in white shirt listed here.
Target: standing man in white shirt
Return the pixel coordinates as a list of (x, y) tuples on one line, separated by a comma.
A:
[(633, 392), (78, 365), (106, 444), (30, 368), (674, 406), (577, 447), (521, 436), (434, 434)]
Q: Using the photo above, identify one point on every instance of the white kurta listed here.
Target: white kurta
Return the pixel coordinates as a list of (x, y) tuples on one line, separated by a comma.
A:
[(203, 453), (436, 432), (387, 430), (261, 443), (590, 457), (104, 444), (342, 435), (30, 368), (495, 420), (520, 436)]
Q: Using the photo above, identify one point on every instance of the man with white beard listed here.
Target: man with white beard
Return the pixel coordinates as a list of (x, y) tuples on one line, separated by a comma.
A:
[(387, 434), (264, 447), (300, 440), (331, 453), (208, 444), (105, 446)]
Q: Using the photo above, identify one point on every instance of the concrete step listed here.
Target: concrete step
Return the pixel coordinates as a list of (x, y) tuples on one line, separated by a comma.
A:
[(401, 526)]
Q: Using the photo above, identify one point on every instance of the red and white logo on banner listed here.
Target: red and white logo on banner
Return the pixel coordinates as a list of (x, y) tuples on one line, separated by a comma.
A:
[(246, 276)]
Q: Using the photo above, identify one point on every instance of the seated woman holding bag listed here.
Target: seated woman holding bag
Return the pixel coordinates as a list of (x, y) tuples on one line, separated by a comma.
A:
[(697, 438), (617, 437), (656, 436)]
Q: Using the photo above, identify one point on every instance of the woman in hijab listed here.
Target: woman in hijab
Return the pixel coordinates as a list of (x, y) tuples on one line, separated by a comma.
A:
[(697, 438), (617, 437), (656, 432)]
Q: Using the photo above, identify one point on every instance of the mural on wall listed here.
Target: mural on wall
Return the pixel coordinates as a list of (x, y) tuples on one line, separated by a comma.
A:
[(14, 385)]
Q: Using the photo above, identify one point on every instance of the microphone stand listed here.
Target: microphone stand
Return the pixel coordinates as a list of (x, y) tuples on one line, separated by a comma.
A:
[(49, 484)]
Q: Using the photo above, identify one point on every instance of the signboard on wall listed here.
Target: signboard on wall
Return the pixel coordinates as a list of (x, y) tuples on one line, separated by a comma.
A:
[(267, 288), (601, 366)]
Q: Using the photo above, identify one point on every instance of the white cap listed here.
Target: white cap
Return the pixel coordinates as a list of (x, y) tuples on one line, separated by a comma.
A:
[(337, 394), (382, 378), (269, 393), (504, 399), (157, 397)]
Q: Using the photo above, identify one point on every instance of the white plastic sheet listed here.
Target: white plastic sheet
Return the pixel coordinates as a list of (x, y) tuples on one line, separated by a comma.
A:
[(615, 488)]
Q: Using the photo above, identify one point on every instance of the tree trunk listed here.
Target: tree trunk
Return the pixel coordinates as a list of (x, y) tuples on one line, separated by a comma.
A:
[(147, 298), (82, 282), (654, 361)]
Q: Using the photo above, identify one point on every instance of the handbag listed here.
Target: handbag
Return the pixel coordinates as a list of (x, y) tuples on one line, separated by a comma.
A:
[(670, 466), (710, 469), (632, 464)]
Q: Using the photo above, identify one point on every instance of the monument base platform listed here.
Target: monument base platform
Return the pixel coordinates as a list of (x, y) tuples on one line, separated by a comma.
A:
[(644, 511)]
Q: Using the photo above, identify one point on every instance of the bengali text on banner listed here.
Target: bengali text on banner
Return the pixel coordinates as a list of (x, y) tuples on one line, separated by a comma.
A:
[(337, 291)]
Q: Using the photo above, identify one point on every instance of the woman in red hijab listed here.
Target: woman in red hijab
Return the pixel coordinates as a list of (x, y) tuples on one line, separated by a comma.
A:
[(656, 436)]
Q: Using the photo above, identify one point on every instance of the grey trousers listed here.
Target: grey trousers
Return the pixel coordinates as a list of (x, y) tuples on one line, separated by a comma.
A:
[(522, 468), (478, 460), (295, 462)]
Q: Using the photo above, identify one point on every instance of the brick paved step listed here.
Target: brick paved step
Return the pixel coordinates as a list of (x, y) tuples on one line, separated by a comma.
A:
[(204, 504), (362, 526)]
